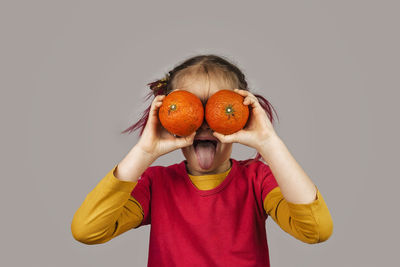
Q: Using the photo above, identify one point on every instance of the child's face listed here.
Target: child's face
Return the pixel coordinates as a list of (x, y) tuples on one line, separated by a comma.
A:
[(205, 158)]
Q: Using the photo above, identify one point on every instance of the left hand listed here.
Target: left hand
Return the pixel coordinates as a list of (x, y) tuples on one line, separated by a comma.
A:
[(258, 129)]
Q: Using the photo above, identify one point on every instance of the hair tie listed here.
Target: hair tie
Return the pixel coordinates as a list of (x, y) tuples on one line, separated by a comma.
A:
[(163, 81), (159, 86), (159, 83)]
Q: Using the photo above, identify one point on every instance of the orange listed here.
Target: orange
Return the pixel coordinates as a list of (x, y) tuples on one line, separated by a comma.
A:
[(181, 113), (225, 112)]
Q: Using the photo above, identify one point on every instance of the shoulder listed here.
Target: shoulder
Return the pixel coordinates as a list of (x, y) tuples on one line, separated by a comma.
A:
[(259, 173), (163, 171), (253, 166)]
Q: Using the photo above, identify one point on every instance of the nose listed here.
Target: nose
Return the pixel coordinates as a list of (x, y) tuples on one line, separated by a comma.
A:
[(204, 126)]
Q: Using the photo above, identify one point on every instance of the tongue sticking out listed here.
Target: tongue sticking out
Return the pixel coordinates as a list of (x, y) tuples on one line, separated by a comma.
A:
[(205, 152)]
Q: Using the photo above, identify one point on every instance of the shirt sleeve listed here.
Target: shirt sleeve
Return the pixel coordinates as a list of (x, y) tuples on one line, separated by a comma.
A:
[(142, 193), (310, 223), (107, 211), (268, 182)]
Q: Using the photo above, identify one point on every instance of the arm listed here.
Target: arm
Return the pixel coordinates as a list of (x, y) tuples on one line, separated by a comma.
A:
[(259, 133), (310, 223), (110, 209), (298, 190), (294, 183), (107, 211), (296, 205)]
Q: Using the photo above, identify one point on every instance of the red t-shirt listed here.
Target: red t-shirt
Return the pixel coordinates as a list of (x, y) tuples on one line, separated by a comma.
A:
[(224, 226)]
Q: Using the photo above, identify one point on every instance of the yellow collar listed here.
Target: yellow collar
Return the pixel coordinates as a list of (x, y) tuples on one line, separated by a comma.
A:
[(217, 176)]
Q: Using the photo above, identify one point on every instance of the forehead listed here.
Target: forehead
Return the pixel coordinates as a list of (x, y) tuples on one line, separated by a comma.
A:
[(203, 86)]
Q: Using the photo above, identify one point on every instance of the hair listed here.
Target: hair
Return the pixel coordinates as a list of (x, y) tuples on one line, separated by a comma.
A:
[(201, 65)]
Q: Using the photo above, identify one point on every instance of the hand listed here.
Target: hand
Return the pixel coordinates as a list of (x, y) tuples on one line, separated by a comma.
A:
[(157, 141), (257, 130)]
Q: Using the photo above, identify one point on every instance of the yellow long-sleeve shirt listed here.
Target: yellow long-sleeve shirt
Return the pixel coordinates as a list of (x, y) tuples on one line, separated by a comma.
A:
[(109, 210)]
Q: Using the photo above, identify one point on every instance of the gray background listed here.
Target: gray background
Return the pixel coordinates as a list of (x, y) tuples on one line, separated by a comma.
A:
[(74, 74)]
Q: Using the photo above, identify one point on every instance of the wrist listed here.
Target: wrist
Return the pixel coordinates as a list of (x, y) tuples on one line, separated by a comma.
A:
[(134, 164), (139, 152), (271, 148), (268, 143)]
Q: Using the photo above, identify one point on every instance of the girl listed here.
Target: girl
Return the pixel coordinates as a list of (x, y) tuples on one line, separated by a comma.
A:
[(209, 209)]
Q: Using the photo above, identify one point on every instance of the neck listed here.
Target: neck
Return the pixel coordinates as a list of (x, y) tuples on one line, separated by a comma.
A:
[(220, 169)]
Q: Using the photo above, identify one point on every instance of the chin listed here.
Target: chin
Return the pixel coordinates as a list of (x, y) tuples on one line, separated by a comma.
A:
[(190, 156)]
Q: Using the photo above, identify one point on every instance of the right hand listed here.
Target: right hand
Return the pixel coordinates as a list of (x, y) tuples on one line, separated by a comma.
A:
[(155, 139)]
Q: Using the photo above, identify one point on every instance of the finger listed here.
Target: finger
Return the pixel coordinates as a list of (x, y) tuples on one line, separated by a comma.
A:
[(249, 100), (231, 138), (158, 99), (155, 105), (157, 102), (243, 92)]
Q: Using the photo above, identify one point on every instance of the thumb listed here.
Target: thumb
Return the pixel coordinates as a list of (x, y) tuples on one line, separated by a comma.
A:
[(231, 138), (185, 141)]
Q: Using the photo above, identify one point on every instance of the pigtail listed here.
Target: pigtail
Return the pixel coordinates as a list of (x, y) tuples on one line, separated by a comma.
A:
[(159, 87)]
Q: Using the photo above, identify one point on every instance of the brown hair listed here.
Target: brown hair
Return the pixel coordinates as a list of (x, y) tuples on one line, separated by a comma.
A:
[(200, 64)]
